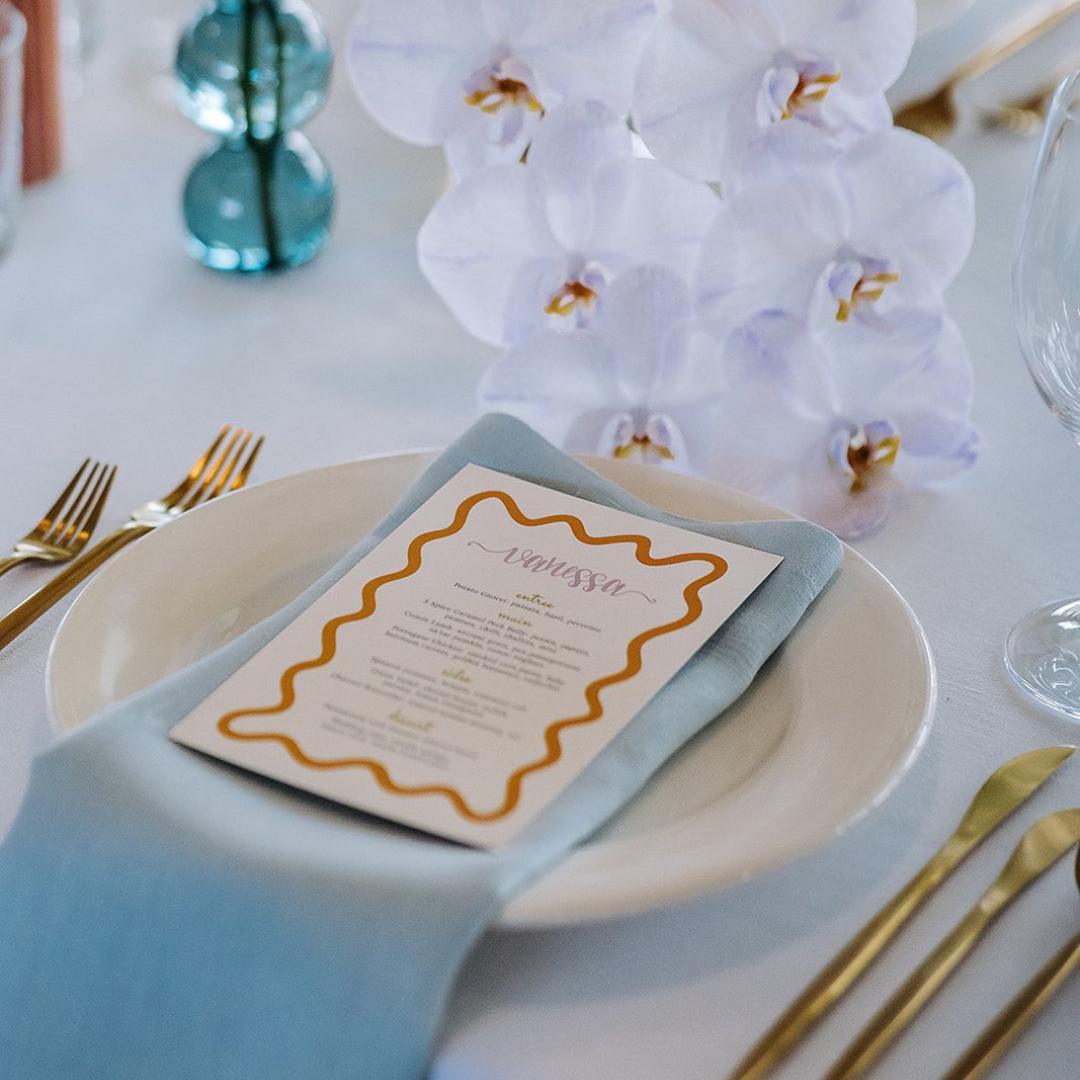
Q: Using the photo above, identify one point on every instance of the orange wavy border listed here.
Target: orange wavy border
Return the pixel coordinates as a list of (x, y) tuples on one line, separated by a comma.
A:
[(551, 735)]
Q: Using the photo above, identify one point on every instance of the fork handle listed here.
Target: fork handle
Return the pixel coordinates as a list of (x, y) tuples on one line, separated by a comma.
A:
[(36, 604), (842, 972), (12, 560)]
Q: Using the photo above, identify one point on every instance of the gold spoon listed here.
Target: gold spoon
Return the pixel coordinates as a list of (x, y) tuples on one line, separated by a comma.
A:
[(936, 115), (1003, 1031)]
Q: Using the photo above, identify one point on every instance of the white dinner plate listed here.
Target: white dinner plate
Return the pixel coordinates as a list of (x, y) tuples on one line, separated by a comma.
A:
[(826, 730)]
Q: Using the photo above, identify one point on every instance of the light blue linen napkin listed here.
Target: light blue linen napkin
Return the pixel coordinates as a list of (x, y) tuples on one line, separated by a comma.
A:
[(167, 917)]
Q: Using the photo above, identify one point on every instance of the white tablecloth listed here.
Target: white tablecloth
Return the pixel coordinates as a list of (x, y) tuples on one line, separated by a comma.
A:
[(113, 343)]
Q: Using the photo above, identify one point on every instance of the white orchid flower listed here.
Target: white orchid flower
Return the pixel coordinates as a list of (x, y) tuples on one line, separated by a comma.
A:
[(475, 76), (832, 424), (514, 249), (883, 227), (642, 382), (723, 81)]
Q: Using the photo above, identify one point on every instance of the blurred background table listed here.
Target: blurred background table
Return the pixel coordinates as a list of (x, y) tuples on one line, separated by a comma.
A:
[(114, 343)]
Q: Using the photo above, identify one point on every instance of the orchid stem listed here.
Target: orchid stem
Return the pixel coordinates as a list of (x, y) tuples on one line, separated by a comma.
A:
[(264, 149)]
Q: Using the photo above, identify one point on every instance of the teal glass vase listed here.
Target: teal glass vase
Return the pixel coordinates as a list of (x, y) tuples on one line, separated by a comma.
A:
[(251, 72)]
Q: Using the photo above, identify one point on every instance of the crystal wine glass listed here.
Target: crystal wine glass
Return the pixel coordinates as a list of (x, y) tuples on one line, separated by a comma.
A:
[(1043, 651)]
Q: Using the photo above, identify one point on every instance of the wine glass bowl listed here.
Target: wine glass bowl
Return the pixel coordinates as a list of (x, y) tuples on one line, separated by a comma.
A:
[(1042, 652)]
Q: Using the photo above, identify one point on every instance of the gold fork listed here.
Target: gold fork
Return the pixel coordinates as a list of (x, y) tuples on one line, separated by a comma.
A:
[(66, 527), (214, 473)]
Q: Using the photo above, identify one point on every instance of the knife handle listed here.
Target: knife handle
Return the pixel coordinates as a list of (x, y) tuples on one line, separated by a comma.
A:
[(1009, 1024), (908, 1001), (846, 968), (1039, 848), (1001, 793), (36, 604)]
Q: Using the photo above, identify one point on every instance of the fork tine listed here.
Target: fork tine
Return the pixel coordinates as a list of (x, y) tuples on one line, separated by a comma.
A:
[(197, 496), (245, 470), (195, 471), (88, 519), (59, 529), (71, 523), (227, 472), (46, 523)]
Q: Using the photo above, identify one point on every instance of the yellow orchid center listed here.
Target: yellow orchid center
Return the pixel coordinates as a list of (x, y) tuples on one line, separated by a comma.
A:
[(502, 91), (868, 457), (572, 295), (809, 90), (867, 289), (643, 444)]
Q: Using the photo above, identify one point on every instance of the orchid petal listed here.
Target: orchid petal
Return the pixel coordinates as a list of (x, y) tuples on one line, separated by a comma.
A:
[(761, 444), (921, 363), (469, 147), (894, 207), (569, 147), (849, 516), (692, 428), (588, 48), (912, 201), (803, 401), (776, 347), (769, 245), (870, 40), (474, 243), (723, 86), (598, 432), (533, 285), (505, 231), (870, 363), (636, 317), (645, 213), (548, 381), (407, 61), (639, 381), (937, 452), (689, 72)]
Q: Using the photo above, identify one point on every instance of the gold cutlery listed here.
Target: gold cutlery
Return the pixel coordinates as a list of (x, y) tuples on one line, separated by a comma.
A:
[(209, 477), (1005, 790), (1025, 116), (1042, 845), (66, 527), (1009, 1024), (936, 115)]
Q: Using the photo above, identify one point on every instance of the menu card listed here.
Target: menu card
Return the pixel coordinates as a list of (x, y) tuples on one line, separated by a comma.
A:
[(474, 662)]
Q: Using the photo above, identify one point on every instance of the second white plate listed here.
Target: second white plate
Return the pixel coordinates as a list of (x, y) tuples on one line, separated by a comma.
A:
[(826, 730)]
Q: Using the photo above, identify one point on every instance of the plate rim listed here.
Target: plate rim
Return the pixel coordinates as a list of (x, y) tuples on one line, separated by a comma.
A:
[(520, 912)]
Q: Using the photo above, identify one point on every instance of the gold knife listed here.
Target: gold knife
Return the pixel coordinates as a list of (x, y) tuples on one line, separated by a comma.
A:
[(1042, 845), (985, 1052), (1005, 790)]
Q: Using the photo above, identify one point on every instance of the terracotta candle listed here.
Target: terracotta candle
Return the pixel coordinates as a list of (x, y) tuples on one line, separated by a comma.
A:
[(42, 135)]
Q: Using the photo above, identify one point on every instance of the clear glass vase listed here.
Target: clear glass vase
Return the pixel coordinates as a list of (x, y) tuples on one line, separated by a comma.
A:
[(252, 71)]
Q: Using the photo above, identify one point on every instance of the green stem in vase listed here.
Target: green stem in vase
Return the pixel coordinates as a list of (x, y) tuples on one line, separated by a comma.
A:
[(264, 149)]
